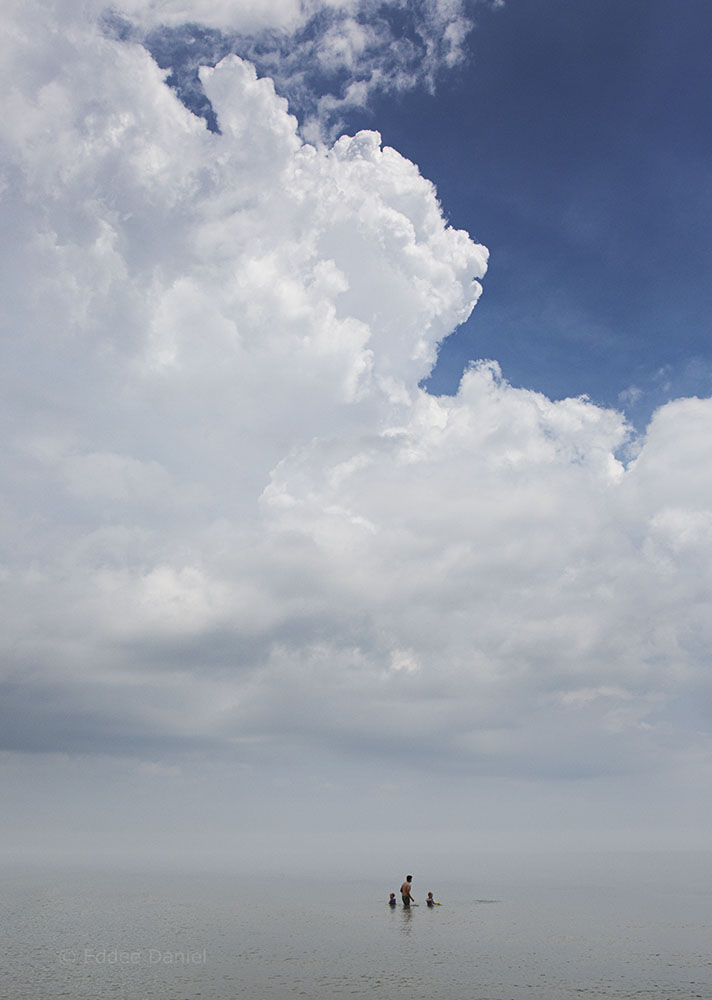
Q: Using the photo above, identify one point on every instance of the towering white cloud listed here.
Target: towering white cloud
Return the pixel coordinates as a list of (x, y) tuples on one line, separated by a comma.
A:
[(232, 517)]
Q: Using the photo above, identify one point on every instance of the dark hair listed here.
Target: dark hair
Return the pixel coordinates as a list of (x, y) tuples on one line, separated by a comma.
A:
[(409, 878)]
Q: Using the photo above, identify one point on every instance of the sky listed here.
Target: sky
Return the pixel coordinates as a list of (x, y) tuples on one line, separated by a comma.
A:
[(356, 431)]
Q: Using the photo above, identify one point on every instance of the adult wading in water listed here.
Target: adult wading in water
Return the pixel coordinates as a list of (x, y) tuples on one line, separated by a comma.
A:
[(405, 891)]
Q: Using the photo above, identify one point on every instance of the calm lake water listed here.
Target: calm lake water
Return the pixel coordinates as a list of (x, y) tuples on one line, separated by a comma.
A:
[(94, 935)]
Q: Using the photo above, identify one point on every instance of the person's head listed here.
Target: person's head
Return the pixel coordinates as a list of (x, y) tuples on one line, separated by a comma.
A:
[(393, 895), (409, 878), (430, 895)]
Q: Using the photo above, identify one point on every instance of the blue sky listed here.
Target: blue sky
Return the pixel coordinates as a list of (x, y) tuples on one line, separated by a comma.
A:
[(250, 569), (575, 144)]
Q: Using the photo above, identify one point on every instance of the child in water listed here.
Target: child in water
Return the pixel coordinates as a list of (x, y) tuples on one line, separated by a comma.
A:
[(392, 900), (430, 901)]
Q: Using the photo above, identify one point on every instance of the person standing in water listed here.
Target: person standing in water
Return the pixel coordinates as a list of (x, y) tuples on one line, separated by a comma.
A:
[(430, 901), (392, 900), (405, 891)]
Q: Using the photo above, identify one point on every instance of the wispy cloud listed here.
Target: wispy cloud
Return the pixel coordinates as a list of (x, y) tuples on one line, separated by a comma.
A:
[(326, 57)]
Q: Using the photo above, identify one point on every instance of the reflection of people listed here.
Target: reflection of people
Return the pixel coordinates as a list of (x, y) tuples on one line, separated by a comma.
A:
[(430, 901), (392, 900), (405, 891)]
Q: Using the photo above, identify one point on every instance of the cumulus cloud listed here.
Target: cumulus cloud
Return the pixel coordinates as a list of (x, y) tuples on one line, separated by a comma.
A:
[(232, 517)]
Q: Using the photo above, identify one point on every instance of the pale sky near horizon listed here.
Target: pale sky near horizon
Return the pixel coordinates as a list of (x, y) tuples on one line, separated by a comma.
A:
[(291, 569)]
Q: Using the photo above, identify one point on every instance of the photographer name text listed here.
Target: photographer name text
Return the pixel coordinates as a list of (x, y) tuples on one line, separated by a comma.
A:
[(146, 956)]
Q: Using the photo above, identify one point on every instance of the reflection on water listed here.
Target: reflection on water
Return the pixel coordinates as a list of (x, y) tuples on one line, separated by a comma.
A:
[(406, 918)]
